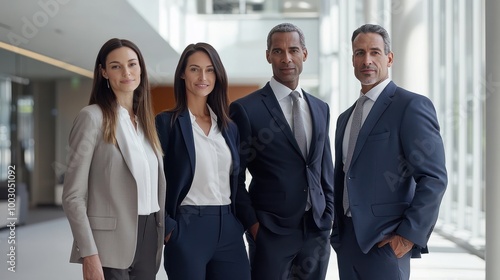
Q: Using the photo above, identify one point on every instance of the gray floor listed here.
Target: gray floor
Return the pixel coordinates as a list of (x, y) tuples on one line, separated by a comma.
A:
[(43, 247)]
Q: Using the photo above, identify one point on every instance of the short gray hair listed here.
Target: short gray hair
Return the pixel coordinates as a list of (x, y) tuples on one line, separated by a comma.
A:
[(286, 27), (374, 28)]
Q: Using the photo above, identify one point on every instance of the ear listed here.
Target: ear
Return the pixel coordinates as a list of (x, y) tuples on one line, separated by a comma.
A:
[(304, 51), (268, 58), (390, 59), (103, 72)]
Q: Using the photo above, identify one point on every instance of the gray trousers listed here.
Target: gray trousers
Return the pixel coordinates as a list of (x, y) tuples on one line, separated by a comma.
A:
[(143, 266)]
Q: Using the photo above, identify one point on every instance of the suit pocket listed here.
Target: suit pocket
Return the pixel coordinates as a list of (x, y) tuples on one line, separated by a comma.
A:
[(378, 136), (390, 209), (102, 223)]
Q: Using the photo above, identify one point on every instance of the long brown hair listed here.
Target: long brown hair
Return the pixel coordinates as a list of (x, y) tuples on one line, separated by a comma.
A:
[(217, 99), (103, 96)]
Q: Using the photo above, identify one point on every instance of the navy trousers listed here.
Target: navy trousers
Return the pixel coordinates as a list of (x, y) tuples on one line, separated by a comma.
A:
[(303, 254), (377, 264), (206, 244)]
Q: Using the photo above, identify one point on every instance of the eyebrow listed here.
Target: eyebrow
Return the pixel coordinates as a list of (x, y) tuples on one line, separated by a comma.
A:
[(196, 65), (127, 61)]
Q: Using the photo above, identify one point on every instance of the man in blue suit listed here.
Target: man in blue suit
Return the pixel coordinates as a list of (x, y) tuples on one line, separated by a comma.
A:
[(390, 180), (288, 208)]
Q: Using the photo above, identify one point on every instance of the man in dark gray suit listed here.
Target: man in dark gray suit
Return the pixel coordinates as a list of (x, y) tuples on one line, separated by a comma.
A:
[(288, 208), (390, 173)]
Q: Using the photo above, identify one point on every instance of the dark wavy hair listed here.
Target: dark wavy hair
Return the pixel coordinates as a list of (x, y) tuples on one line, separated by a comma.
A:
[(103, 96), (217, 99)]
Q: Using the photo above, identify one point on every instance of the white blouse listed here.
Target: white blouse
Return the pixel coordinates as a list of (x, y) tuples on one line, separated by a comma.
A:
[(211, 185), (144, 167)]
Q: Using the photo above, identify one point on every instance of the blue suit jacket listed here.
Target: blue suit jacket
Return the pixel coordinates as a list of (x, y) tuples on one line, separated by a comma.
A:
[(179, 160), (397, 176), (281, 177)]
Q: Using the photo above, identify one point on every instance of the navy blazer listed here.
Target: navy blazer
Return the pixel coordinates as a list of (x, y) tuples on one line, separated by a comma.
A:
[(179, 159), (397, 176), (281, 176)]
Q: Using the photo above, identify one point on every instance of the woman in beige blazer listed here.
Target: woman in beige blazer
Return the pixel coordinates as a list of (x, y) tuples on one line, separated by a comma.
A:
[(114, 189)]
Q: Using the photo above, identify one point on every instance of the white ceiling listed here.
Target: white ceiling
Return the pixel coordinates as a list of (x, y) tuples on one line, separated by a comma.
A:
[(73, 31)]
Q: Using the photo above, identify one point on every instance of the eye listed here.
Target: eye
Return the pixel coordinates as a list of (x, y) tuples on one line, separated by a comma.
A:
[(210, 70), (193, 69), (115, 66), (132, 64), (276, 51)]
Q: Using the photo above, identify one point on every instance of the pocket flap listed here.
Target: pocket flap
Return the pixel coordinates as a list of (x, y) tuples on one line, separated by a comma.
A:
[(102, 223)]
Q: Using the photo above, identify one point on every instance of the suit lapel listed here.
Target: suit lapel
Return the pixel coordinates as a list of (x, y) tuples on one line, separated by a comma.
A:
[(274, 109), (314, 110), (187, 133), (125, 148), (383, 101)]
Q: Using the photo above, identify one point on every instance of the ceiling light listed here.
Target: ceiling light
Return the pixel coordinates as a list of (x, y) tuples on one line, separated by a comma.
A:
[(48, 60)]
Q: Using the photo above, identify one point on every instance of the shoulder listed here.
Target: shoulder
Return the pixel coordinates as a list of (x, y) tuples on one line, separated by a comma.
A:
[(254, 96), (90, 114), (411, 97), (315, 102), (164, 117)]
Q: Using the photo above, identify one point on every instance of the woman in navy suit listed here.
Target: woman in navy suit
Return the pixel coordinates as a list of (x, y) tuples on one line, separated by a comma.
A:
[(204, 240)]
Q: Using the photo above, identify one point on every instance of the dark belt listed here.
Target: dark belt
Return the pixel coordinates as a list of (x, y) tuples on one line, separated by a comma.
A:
[(205, 210)]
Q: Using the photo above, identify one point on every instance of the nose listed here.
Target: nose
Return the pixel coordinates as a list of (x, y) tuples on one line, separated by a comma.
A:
[(287, 57), (367, 60), (203, 76), (126, 72)]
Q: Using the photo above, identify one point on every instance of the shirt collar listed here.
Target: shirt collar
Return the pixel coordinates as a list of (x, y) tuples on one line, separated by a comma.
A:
[(213, 116), (281, 91), (375, 92)]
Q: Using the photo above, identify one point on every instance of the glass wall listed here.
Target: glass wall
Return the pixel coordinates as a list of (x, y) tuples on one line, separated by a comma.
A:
[(5, 143), (458, 88)]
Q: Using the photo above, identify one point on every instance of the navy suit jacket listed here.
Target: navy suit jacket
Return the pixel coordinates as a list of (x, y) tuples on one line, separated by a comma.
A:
[(281, 177), (397, 176), (177, 142)]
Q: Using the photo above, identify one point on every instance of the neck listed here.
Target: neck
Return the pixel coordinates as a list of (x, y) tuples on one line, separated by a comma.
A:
[(198, 107), (126, 101)]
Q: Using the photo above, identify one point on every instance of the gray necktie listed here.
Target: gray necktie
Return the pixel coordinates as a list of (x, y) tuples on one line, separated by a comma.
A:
[(299, 130), (357, 116)]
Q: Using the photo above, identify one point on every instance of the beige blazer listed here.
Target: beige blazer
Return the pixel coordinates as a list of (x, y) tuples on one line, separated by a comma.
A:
[(100, 194)]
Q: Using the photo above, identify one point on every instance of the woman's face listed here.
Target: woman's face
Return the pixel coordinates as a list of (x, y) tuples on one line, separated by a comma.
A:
[(199, 75), (123, 71)]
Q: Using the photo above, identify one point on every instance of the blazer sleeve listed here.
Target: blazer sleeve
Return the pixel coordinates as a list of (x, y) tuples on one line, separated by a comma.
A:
[(244, 209), (327, 171), (82, 143), (424, 152), (163, 128)]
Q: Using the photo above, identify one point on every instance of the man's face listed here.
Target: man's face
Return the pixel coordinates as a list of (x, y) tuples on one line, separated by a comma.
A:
[(286, 56), (371, 64)]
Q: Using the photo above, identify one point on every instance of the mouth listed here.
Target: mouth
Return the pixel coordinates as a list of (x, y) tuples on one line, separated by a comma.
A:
[(367, 70), (202, 85), (287, 70)]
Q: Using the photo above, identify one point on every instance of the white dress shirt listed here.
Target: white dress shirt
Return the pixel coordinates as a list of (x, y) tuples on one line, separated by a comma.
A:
[(145, 164), (282, 93), (211, 181), (372, 95)]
